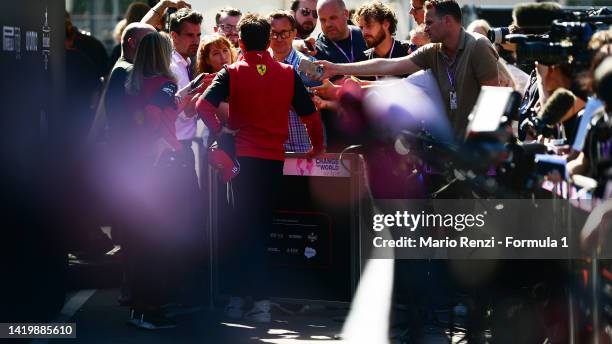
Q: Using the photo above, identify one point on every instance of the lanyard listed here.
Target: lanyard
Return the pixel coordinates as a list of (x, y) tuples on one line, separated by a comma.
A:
[(390, 51), (453, 104), (352, 59), (390, 54), (451, 78)]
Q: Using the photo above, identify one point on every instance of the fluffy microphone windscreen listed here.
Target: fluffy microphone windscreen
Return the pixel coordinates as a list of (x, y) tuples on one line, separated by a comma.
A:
[(559, 103)]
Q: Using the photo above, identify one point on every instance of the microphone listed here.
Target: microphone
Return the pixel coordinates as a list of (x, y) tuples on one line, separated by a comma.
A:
[(559, 103)]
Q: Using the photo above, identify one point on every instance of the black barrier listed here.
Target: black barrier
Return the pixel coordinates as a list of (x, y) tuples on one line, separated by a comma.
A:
[(313, 247), (32, 66)]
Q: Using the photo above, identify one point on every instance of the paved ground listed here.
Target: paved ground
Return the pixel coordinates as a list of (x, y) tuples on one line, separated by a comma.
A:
[(99, 319)]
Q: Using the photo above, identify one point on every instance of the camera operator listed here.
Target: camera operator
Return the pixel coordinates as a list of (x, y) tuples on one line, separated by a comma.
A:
[(597, 148), (531, 19), (601, 43), (597, 162), (560, 54), (561, 121), (506, 77)]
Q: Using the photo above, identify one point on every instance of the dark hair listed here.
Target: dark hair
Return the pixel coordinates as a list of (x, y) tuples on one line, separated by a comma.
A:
[(535, 18), (445, 8), (184, 15), (254, 32), (379, 12), (230, 11), (280, 14), (295, 4), (602, 83)]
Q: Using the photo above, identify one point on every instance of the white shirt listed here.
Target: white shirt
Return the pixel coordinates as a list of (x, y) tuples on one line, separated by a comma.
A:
[(185, 127)]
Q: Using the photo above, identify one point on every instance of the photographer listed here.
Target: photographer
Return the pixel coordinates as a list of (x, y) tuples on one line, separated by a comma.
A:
[(582, 164), (531, 19), (551, 78)]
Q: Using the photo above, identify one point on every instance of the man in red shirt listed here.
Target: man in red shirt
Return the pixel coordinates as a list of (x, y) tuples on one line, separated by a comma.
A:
[(260, 93)]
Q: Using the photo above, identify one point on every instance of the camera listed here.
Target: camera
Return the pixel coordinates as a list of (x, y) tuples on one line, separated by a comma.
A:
[(565, 43), (537, 126), (497, 35), (169, 12)]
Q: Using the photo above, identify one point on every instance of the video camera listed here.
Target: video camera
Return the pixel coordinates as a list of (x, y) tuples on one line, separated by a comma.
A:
[(565, 43)]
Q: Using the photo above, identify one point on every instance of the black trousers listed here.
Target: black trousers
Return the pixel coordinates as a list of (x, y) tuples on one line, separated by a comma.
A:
[(256, 191), (162, 234)]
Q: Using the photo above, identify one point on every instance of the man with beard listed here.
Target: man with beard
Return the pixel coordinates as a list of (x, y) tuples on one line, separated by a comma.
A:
[(378, 24), (305, 13), (226, 21)]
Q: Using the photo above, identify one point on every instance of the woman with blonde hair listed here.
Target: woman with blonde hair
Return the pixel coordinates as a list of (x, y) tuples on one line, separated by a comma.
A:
[(158, 183), (214, 52), (151, 89)]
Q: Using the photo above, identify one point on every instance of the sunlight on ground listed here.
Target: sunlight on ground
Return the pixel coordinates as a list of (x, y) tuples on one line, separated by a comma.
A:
[(238, 325)]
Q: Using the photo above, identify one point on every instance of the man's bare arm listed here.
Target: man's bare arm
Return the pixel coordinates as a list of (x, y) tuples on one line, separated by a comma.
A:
[(396, 66), (155, 16), (491, 82)]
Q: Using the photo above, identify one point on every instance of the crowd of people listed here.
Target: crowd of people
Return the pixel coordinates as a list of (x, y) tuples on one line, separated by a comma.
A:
[(244, 87)]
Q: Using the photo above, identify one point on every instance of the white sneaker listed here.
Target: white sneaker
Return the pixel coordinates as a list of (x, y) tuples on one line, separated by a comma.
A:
[(260, 312), (233, 309)]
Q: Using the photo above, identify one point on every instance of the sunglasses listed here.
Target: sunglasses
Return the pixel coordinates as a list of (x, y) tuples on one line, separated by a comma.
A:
[(307, 12)]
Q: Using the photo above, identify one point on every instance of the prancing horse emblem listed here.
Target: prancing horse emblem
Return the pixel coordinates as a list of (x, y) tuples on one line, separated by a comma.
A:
[(261, 69)]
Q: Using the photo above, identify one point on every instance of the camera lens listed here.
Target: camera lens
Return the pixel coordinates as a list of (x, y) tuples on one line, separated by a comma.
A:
[(498, 35)]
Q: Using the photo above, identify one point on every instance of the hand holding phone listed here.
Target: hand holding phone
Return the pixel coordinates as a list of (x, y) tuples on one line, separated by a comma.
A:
[(311, 69), (201, 82)]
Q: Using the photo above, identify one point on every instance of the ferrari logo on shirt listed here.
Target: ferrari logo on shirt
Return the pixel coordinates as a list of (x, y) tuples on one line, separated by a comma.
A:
[(261, 69)]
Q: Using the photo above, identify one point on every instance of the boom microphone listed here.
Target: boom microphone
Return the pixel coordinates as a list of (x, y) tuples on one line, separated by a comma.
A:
[(555, 108)]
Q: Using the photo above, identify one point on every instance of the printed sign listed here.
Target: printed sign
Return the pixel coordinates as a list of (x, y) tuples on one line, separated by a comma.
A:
[(316, 167)]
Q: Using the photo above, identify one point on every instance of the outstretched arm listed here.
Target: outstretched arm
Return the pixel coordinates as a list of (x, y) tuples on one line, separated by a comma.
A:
[(396, 66)]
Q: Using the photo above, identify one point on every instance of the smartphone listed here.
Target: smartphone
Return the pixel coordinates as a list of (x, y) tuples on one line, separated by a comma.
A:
[(311, 68), (169, 12), (309, 45), (195, 83)]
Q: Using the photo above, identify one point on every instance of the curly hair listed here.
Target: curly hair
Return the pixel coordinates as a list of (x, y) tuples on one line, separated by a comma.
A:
[(379, 12)]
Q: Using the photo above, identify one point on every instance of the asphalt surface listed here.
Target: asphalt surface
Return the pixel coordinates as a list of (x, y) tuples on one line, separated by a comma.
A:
[(99, 319)]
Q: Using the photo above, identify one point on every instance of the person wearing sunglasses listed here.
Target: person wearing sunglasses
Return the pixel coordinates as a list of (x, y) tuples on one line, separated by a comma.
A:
[(305, 13), (226, 21), (417, 11)]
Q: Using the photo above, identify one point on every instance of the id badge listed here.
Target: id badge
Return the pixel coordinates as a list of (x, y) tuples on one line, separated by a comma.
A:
[(453, 100)]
